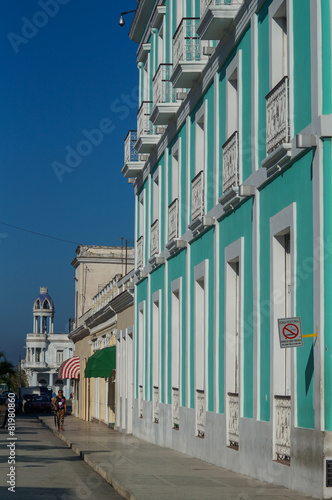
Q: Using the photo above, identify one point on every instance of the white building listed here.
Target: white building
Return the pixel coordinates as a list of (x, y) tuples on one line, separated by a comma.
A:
[(46, 350)]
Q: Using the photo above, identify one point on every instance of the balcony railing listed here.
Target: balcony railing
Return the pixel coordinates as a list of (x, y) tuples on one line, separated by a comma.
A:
[(175, 408), (200, 413), (173, 220), (277, 116), (231, 162), (197, 196), (155, 238), (206, 3), (130, 152), (156, 405), (163, 91), (187, 45), (139, 250), (233, 419), (282, 445), (144, 126)]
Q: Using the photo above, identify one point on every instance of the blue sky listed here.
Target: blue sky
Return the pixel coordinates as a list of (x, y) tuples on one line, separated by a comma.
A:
[(68, 96)]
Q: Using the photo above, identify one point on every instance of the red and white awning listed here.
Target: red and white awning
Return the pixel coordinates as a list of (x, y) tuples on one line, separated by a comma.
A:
[(70, 368)]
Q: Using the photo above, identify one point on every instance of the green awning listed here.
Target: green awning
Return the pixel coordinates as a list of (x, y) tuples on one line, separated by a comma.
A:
[(101, 363)]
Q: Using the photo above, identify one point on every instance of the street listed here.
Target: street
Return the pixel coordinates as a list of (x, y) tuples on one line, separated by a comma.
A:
[(45, 467)]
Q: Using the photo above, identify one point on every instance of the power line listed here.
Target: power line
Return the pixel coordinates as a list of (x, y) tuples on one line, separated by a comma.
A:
[(39, 234)]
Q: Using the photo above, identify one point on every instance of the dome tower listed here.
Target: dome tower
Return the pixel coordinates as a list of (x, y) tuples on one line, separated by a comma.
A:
[(43, 313)]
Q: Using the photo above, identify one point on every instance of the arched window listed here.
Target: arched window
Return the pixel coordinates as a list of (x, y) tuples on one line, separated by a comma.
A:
[(46, 304), (42, 382), (37, 304)]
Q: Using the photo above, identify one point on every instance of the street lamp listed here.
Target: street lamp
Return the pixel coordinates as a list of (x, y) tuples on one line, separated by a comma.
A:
[(122, 21)]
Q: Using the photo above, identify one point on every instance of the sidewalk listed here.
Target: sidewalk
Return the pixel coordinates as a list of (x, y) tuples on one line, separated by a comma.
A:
[(142, 471)]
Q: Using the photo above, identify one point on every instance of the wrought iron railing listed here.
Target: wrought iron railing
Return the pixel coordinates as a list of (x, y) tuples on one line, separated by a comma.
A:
[(175, 408), (233, 419), (230, 163), (200, 413), (155, 238), (187, 45), (206, 3), (173, 220), (282, 445), (139, 250), (197, 196), (277, 116), (163, 90), (130, 152), (144, 126)]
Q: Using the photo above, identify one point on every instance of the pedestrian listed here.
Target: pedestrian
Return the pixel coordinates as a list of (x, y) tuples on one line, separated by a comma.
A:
[(6, 414), (60, 407)]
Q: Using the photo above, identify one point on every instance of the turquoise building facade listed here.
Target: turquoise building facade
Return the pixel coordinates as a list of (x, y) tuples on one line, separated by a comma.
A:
[(231, 165)]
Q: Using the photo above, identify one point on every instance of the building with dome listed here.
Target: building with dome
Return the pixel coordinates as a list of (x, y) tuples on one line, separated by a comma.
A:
[(46, 350)]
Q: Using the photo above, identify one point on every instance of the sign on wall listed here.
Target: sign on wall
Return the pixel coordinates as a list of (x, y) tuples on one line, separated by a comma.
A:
[(290, 332)]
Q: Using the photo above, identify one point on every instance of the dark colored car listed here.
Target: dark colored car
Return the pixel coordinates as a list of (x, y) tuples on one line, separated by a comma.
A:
[(38, 404)]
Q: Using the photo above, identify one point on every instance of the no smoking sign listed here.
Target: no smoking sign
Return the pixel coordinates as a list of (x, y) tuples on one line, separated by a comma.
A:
[(290, 332)]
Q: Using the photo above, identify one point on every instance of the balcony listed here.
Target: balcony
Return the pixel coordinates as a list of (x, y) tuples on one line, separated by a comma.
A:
[(139, 252), (147, 136), (278, 146), (277, 116), (230, 177), (133, 163), (155, 238), (197, 196), (164, 96), (189, 60), (173, 220), (216, 18)]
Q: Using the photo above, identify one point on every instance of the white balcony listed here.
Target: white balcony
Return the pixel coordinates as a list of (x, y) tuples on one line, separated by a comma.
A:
[(165, 104), (230, 178), (173, 220), (133, 163), (282, 441), (277, 116), (188, 58), (155, 238), (197, 196), (147, 136), (216, 18), (139, 252), (233, 420)]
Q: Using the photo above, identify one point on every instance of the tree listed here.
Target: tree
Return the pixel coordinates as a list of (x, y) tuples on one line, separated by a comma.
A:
[(7, 369)]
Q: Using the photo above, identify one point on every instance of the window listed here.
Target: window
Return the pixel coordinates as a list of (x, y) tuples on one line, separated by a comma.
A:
[(155, 354), (59, 356), (233, 327), (200, 140), (175, 171), (200, 332), (155, 196), (278, 42), (141, 369), (175, 343), (161, 48)]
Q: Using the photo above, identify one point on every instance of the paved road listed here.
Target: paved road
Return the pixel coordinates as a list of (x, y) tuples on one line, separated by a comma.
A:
[(46, 468)]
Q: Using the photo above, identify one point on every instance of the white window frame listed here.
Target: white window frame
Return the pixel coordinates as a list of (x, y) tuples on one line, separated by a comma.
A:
[(176, 321), (201, 137), (233, 252), (282, 223)]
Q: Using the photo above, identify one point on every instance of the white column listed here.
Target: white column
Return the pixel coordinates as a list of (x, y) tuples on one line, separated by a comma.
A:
[(51, 380)]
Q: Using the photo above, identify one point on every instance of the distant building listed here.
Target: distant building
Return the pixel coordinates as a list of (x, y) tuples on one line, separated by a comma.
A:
[(103, 328), (46, 350)]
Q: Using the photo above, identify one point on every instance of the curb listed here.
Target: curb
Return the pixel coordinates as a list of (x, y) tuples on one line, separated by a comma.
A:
[(119, 488)]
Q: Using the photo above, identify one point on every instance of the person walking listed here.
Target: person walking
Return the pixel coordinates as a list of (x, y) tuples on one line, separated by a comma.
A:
[(5, 423), (60, 407)]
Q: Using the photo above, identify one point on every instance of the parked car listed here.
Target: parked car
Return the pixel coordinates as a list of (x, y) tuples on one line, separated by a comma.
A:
[(37, 404)]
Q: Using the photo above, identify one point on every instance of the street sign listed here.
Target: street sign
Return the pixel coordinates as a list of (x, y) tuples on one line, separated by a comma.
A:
[(290, 332)]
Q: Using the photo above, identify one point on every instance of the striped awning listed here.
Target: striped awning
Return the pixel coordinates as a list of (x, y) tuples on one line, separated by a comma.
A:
[(70, 368)]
